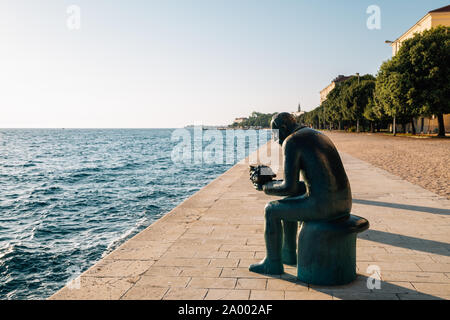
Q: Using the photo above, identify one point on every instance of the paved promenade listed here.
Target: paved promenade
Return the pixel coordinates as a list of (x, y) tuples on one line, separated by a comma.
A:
[(202, 248)]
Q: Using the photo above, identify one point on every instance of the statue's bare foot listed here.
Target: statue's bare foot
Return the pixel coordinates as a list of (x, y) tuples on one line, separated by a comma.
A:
[(289, 257), (267, 267)]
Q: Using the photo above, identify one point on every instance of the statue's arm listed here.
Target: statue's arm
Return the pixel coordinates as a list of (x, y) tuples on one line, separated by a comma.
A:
[(277, 188), (290, 186)]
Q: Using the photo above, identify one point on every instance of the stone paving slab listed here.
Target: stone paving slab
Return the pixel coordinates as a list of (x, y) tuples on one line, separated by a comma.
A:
[(203, 247)]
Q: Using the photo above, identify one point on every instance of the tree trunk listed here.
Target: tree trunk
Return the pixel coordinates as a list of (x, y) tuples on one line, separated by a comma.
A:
[(372, 129), (441, 125), (394, 127), (357, 125), (340, 124), (413, 128)]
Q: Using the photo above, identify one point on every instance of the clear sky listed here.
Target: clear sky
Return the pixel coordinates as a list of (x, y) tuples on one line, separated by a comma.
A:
[(170, 63)]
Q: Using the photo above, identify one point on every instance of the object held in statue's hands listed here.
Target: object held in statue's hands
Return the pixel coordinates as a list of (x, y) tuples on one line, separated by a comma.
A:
[(260, 175)]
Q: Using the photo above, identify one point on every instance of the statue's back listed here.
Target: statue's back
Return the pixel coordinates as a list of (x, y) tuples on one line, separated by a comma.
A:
[(321, 165)]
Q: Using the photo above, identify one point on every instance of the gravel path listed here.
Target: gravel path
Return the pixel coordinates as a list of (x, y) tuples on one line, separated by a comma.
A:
[(422, 161)]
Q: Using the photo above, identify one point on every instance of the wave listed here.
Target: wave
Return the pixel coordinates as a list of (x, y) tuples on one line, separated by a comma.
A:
[(69, 197)]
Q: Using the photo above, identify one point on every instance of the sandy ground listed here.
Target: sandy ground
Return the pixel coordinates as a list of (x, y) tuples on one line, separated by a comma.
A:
[(425, 162)]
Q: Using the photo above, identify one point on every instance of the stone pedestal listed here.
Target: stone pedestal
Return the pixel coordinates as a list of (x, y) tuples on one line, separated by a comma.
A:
[(327, 250)]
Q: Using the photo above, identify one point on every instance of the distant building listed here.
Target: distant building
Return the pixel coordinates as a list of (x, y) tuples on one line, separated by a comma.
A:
[(240, 120), (324, 93), (432, 19), (299, 111)]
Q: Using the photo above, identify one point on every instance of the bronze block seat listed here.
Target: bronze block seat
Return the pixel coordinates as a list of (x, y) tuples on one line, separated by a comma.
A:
[(327, 250)]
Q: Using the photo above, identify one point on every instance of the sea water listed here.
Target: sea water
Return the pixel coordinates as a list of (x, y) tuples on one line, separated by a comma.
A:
[(69, 197)]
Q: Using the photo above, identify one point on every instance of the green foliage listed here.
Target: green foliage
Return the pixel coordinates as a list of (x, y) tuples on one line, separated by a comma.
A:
[(333, 104), (427, 61), (346, 102), (356, 96), (414, 82), (256, 119), (394, 88)]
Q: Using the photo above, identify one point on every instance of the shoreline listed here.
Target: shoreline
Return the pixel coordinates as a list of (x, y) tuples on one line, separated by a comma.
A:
[(192, 205), (203, 247)]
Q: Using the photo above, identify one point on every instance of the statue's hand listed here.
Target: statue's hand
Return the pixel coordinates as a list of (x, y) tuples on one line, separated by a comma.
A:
[(270, 184), (258, 187)]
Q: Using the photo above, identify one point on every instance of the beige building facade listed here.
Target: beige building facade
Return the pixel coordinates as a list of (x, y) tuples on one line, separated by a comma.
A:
[(240, 120), (432, 19), (426, 125), (324, 92)]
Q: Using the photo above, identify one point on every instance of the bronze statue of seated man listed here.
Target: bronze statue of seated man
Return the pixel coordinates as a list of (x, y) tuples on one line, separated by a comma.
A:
[(324, 195)]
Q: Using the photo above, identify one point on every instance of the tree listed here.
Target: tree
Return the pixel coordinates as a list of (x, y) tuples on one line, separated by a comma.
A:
[(374, 112), (393, 90), (356, 96), (256, 119), (429, 55), (370, 114), (310, 118), (418, 77), (333, 105), (348, 100)]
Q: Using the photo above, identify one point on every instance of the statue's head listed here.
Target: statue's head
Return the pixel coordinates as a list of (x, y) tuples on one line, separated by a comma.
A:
[(284, 124)]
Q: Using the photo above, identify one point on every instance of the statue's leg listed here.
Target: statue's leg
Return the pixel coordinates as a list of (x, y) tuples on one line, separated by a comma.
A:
[(272, 264), (288, 210), (302, 209), (289, 251)]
